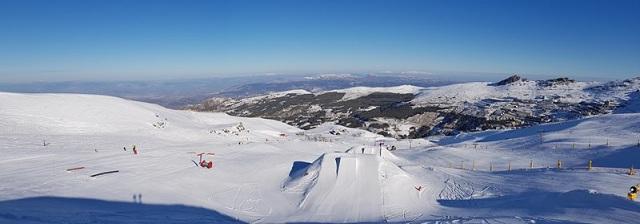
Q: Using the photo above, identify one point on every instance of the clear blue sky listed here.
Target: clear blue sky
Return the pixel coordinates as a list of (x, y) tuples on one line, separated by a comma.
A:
[(53, 40)]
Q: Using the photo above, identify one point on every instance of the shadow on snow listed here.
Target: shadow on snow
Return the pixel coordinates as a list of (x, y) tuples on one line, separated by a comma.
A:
[(77, 210), (543, 203), (621, 158)]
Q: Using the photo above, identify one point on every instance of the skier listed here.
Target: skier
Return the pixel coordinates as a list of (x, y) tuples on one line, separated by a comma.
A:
[(124, 148), (140, 198), (362, 150)]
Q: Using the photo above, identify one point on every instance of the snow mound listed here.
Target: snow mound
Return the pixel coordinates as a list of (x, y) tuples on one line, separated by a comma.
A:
[(354, 186)]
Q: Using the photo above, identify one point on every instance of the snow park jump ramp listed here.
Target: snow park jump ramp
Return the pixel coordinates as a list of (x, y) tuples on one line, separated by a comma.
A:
[(355, 186)]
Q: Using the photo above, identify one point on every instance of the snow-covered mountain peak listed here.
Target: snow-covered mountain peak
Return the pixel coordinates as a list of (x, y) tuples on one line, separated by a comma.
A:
[(412, 111)]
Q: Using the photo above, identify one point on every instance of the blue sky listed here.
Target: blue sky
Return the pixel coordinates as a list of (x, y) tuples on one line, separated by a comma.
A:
[(51, 40)]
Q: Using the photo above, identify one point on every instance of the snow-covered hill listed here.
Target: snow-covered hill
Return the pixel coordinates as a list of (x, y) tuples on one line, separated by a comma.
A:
[(558, 90), (357, 92), (411, 112), (267, 171)]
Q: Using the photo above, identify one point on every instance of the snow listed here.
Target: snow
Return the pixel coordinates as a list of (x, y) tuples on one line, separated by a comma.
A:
[(573, 92), (295, 91), (357, 92), (475, 91), (339, 176), (270, 172), (275, 95), (350, 93), (632, 105)]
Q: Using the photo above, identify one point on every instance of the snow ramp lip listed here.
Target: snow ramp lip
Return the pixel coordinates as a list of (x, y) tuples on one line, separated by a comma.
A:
[(361, 186)]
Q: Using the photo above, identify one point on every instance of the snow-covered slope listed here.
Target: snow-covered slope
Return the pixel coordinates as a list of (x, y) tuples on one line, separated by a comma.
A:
[(562, 91), (471, 92), (275, 95), (94, 114), (412, 112), (267, 171), (476, 91), (357, 92)]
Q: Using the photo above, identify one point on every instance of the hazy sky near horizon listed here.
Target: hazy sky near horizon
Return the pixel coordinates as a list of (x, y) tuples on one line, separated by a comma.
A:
[(51, 40)]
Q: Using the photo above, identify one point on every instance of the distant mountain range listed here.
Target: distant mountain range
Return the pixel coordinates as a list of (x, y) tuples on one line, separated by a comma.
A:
[(411, 111), (326, 82), (181, 93)]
